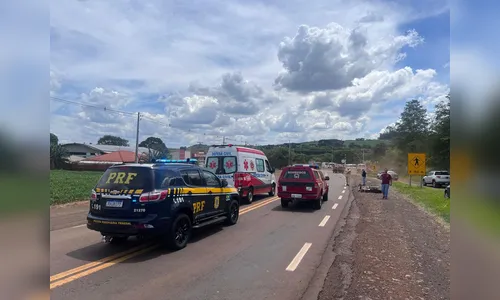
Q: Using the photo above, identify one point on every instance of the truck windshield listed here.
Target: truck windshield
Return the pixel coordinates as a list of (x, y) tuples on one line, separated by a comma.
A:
[(222, 164)]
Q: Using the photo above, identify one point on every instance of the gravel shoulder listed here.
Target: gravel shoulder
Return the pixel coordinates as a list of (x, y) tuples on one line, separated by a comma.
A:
[(389, 249)]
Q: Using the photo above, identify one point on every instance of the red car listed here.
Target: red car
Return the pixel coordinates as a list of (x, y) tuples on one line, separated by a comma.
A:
[(303, 183)]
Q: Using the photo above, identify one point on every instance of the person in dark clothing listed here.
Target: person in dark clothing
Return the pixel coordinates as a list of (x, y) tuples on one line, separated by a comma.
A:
[(363, 176), (386, 182)]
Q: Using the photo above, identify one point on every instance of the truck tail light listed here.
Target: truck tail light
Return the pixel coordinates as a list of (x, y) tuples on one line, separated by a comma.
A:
[(153, 196)]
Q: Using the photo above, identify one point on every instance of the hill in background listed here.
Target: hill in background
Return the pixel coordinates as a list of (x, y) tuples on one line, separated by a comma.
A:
[(322, 150)]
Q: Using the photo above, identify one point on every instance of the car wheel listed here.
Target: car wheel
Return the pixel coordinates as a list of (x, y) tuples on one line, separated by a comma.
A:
[(325, 196), (318, 203), (434, 184), (273, 190), (250, 196), (423, 182), (233, 213), (180, 232), (284, 203)]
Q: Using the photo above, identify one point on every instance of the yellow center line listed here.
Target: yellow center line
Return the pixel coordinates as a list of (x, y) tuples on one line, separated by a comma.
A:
[(257, 205), (103, 263), (95, 263), (100, 267)]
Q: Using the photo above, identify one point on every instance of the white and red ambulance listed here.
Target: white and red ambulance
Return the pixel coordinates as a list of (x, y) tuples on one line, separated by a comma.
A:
[(245, 168)]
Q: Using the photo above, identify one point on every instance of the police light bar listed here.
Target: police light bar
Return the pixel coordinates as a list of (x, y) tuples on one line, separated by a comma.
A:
[(177, 161), (306, 165)]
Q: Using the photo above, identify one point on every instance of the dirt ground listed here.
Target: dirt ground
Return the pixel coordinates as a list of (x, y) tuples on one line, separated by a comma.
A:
[(389, 249)]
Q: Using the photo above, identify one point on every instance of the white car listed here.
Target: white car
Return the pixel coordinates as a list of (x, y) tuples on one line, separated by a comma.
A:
[(437, 178)]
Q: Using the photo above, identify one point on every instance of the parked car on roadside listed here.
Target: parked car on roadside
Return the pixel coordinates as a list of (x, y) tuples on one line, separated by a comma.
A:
[(437, 178), (393, 174)]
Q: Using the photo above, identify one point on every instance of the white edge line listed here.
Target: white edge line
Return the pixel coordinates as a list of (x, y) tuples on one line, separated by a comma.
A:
[(340, 197), (77, 226), (296, 260), (323, 222), (335, 206), (343, 191)]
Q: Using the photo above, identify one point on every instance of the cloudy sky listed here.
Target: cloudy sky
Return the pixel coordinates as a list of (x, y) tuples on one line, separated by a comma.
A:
[(255, 71)]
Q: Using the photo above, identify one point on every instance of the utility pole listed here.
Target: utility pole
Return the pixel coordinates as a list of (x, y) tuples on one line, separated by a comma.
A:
[(223, 140), (137, 138)]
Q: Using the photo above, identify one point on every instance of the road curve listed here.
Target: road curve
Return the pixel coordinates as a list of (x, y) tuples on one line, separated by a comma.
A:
[(272, 253)]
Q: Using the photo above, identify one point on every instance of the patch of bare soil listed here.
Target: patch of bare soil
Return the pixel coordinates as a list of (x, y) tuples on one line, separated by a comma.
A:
[(389, 249)]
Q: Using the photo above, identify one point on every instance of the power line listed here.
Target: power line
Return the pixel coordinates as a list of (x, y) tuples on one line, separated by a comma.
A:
[(92, 106)]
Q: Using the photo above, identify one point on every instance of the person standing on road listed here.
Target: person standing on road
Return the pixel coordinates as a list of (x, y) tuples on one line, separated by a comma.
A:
[(363, 176), (347, 176), (386, 182)]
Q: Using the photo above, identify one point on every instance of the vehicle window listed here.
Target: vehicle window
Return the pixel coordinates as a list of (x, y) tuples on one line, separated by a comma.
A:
[(124, 178), (213, 163), (322, 175), (192, 177), (442, 173), (297, 174), (260, 164), (229, 163), (165, 179), (268, 166), (211, 179), (316, 174)]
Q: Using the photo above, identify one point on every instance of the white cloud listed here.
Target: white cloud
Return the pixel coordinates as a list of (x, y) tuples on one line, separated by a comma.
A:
[(197, 72)]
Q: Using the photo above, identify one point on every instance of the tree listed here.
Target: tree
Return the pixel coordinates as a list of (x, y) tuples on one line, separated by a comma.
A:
[(379, 150), (389, 133), (412, 130), (278, 157), (440, 137), (157, 145), (112, 140), (54, 140), (58, 156)]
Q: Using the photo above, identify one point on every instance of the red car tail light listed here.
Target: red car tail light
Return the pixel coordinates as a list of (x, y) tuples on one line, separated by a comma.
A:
[(93, 196), (153, 196)]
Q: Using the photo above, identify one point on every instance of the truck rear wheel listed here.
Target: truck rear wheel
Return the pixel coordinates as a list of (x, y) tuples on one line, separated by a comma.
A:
[(180, 232), (273, 190), (318, 203), (250, 196), (284, 203), (233, 213)]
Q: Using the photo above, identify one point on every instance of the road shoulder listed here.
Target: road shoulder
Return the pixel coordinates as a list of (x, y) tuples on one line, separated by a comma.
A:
[(389, 249)]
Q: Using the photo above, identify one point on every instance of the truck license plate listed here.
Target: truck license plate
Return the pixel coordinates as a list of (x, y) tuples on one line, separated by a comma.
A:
[(296, 195), (114, 203)]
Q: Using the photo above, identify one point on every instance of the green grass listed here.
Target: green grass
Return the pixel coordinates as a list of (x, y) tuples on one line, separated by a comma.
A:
[(71, 186), (432, 199)]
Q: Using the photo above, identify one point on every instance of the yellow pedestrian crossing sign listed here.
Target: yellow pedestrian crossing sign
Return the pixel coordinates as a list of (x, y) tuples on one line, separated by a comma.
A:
[(416, 164)]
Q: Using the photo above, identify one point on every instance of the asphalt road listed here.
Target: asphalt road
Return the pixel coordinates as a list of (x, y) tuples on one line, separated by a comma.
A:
[(272, 253)]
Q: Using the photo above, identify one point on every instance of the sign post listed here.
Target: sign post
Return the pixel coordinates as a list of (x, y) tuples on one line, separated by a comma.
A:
[(416, 165)]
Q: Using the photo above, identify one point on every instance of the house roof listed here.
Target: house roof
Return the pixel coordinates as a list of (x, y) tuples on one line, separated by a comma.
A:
[(113, 157), (111, 148)]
